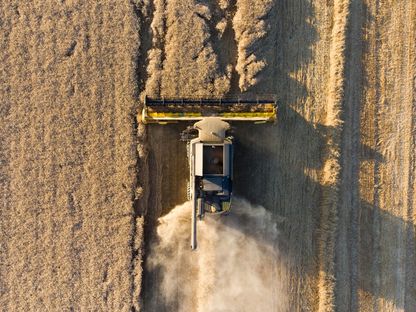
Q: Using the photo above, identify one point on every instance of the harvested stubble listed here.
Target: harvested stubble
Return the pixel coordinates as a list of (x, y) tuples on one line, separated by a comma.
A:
[(334, 194)]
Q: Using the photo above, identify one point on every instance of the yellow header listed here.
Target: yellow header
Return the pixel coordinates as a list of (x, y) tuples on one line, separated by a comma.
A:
[(262, 112), (166, 117)]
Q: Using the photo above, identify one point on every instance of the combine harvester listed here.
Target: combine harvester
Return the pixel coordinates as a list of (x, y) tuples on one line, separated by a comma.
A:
[(210, 149)]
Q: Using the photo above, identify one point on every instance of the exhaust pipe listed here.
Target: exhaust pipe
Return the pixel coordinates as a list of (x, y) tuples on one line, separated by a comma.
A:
[(193, 228), (196, 209)]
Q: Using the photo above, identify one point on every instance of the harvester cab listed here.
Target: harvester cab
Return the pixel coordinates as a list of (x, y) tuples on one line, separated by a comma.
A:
[(210, 148)]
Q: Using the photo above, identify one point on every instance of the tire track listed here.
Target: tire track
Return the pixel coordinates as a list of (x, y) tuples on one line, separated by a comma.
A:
[(369, 169), (347, 240)]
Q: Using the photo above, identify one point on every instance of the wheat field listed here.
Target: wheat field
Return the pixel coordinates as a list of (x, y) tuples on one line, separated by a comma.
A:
[(68, 158), (83, 184)]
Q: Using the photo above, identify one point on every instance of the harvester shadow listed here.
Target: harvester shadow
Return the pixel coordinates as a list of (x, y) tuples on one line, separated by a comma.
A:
[(276, 166)]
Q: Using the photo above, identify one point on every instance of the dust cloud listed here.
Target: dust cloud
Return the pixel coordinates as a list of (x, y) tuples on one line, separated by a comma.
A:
[(234, 269)]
